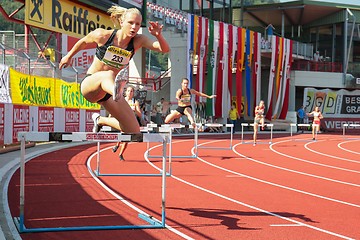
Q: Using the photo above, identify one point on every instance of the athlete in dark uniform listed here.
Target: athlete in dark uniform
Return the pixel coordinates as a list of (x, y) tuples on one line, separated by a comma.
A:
[(183, 96), (114, 51), (135, 106)]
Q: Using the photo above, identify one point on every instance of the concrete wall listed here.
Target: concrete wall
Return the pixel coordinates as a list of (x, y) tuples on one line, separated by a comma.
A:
[(318, 79)]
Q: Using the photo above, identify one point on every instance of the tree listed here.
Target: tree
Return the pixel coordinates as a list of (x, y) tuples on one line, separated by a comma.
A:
[(5, 25)]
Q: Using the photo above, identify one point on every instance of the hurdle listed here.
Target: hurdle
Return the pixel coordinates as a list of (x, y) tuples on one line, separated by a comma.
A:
[(301, 125), (170, 128), (257, 142), (347, 125), (92, 137), (230, 125), (143, 130)]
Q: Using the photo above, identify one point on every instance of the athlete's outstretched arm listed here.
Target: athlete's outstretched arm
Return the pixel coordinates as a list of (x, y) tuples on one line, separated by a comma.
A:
[(200, 94)]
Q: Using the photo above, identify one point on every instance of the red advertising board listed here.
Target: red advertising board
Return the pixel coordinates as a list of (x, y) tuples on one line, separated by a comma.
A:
[(46, 119), (72, 120), (21, 120), (88, 120)]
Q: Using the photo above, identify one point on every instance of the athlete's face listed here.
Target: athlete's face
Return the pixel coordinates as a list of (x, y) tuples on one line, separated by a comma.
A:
[(129, 92), (131, 24), (185, 84)]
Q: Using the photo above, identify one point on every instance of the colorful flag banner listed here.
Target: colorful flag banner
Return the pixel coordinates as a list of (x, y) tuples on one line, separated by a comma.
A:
[(190, 51), (279, 77), (225, 97), (210, 83), (220, 70), (285, 105), (274, 51), (248, 70), (239, 64)]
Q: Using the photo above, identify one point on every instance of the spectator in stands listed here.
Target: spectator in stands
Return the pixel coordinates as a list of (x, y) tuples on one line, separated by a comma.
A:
[(212, 129), (160, 111), (115, 48), (316, 56), (145, 115), (233, 115)]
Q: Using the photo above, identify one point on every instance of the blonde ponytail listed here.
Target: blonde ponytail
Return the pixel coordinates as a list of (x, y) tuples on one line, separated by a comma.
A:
[(117, 14)]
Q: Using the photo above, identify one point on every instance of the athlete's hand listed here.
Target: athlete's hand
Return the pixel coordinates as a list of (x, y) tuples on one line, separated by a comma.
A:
[(155, 28), (65, 61)]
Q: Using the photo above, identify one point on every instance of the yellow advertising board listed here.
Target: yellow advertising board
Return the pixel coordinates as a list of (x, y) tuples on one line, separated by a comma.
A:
[(31, 90), (42, 91), (64, 16), (68, 96)]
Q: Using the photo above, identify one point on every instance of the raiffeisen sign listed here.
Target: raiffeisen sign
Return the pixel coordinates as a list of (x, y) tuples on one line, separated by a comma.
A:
[(65, 17)]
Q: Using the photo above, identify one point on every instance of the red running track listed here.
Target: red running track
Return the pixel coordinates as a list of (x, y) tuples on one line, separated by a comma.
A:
[(292, 189)]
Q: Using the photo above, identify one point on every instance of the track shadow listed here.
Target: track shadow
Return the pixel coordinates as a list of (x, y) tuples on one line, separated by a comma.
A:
[(55, 198), (221, 157), (227, 219)]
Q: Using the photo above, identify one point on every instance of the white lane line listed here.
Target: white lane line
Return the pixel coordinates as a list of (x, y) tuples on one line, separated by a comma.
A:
[(9, 169), (285, 225), (245, 204), (294, 171), (307, 161), (277, 185), (116, 195), (345, 149), (331, 156)]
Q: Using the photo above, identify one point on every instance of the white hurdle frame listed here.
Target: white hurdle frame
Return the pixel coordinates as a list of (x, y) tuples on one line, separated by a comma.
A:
[(230, 125), (144, 130), (345, 125), (171, 127), (93, 137), (257, 142), (302, 125), (196, 138)]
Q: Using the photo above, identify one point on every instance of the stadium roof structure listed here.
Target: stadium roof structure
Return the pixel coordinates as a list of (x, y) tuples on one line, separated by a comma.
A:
[(304, 13)]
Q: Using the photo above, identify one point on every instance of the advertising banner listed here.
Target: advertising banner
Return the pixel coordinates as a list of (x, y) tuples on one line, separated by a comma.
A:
[(42, 91), (4, 84), (337, 106), (88, 120), (21, 120), (81, 61), (68, 96), (45, 119), (65, 16), (72, 120), (341, 103), (32, 90)]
